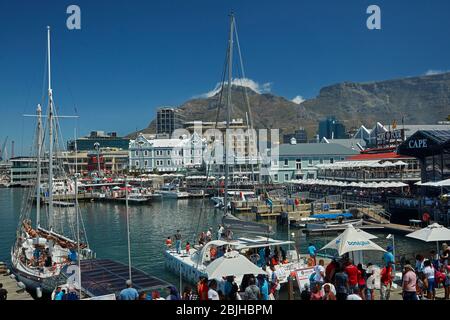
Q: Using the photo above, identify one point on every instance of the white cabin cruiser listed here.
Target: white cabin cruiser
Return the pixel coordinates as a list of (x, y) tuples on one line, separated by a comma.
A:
[(194, 264)]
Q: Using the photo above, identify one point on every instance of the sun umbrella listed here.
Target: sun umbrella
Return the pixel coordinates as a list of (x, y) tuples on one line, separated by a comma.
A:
[(353, 240), (232, 264), (434, 232)]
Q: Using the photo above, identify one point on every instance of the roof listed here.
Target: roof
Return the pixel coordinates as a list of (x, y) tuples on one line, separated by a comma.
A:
[(314, 149), (349, 143), (376, 156), (425, 142)]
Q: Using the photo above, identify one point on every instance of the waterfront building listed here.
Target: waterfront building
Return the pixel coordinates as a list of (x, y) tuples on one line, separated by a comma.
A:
[(298, 161), (168, 119), (112, 160), (331, 128), (23, 171), (393, 134), (432, 149), (243, 158), (106, 140), (166, 155)]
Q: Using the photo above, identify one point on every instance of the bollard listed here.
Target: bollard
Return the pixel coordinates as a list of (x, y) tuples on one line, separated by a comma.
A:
[(39, 292)]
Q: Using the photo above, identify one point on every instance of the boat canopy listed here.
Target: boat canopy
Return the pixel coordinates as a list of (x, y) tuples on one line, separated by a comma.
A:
[(332, 215)]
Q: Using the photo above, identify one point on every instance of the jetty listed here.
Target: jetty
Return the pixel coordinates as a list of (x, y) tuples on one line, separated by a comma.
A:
[(15, 291)]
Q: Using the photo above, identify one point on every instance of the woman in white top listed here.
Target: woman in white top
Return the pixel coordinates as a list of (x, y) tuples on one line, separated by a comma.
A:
[(429, 271)]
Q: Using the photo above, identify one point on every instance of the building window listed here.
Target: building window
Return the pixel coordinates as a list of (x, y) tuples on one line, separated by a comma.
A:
[(298, 164), (275, 177), (168, 162), (286, 162), (275, 162), (146, 153), (136, 163), (145, 163), (136, 153), (286, 176)]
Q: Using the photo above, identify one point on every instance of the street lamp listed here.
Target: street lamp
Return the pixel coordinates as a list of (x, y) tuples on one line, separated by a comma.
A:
[(391, 236)]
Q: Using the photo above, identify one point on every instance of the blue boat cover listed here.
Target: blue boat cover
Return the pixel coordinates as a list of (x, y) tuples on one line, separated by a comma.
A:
[(332, 215)]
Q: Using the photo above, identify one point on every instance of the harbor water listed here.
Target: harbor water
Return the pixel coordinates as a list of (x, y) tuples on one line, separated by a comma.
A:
[(150, 225)]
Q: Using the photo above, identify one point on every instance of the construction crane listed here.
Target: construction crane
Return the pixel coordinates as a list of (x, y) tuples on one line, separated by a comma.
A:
[(3, 149)]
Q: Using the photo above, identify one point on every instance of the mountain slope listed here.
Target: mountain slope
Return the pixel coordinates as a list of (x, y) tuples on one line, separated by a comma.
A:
[(419, 100)]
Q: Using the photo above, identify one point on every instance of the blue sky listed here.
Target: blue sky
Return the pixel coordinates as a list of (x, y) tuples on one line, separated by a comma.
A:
[(133, 56)]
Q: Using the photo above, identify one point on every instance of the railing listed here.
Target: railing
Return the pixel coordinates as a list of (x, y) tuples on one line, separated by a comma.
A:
[(377, 210)]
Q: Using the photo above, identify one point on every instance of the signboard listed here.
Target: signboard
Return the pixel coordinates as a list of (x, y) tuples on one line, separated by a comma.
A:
[(418, 143), (302, 276), (390, 137)]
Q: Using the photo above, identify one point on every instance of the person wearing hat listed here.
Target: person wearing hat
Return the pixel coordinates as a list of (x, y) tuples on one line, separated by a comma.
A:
[(129, 293), (388, 257), (409, 283), (445, 254)]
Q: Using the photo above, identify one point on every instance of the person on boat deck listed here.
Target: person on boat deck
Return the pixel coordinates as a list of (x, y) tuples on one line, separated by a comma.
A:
[(36, 255), (220, 232), (262, 258), (168, 243), (209, 235), (48, 261), (72, 255), (221, 252), (202, 239), (129, 293), (188, 247), (178, 241), (312, 250)]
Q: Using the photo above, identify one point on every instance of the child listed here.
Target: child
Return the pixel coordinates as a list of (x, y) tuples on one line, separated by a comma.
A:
[(188, 247), (168, 243)]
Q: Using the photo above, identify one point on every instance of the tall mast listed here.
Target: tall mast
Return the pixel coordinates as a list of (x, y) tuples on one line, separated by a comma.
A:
[(128, 228), (38, 177), (230, 78), (50, 135)]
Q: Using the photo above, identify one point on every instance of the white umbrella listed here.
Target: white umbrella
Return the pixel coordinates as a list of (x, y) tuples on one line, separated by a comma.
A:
[(353, 240), (232, 264), (434, 232)]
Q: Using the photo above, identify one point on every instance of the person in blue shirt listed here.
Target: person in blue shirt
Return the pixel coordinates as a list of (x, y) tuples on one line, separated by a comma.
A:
[(312, 250), (129, 293), (388, 257), (72, 255), (263, 285), (59, 294)]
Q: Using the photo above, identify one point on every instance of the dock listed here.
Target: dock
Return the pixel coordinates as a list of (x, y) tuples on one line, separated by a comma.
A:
[(11, 285), (338, 230), (396, 228)]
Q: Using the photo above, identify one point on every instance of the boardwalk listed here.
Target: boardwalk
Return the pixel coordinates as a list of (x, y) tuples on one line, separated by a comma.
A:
[(10, 284)]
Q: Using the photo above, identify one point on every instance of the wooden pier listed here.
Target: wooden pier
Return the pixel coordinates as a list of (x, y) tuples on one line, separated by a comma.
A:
[(11, 285), (395, 228)]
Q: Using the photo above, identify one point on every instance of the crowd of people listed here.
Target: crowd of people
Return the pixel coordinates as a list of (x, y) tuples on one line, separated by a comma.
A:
[(343, 280)]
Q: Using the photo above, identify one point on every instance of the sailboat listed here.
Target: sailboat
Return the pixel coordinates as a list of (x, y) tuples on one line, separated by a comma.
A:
[(194, 264), (40, 252)]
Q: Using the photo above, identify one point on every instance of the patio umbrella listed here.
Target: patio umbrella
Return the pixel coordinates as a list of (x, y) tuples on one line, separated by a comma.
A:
[(434, 232), (232, 264), (353, 240)]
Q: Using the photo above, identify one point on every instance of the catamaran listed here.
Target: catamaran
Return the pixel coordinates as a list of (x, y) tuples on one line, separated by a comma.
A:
[(41, 252)]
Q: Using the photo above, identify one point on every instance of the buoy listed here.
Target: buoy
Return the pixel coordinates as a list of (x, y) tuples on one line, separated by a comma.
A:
[(39, 292)]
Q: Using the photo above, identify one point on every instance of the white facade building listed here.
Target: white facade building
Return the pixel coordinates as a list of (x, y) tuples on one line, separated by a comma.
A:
[(165, 155)]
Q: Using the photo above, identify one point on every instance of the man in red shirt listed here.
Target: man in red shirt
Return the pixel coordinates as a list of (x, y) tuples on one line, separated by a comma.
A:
[(202, 289), (352, 272), (386, 282)]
